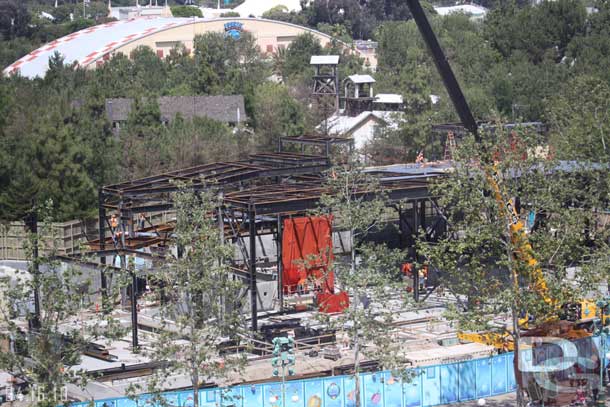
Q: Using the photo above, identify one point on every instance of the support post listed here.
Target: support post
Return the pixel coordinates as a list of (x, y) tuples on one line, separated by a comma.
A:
[(253, 289), (134, 310), (401, 228), (221, 237), (422, 214), (280, 265), (123, 256), (32, 225), (414, 251), (102, 238), (337, 87)]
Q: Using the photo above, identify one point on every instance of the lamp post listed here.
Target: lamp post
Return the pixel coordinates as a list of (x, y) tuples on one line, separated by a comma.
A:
[(283, 356)]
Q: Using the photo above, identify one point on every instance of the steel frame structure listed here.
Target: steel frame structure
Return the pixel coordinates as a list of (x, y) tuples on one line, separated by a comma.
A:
[(256, 195)]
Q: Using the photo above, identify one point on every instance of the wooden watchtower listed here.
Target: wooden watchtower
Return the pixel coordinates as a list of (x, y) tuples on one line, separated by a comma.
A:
[(326, 78)]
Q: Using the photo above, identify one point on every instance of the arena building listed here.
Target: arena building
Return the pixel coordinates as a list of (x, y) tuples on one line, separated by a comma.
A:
[(90, 47)]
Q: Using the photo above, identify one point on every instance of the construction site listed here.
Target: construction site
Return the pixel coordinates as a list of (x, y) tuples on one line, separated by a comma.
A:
[(268, 211), (265, 212), (265, 215)]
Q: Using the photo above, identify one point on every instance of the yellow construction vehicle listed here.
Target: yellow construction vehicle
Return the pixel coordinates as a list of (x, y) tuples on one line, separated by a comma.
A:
[(580, 313)]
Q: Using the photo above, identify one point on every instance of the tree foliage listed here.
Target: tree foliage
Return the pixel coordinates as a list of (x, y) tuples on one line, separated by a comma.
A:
[(560, 205), (277, 114), (47, 347), (580, 120), (366, 273), (186, 11), (199, 299)]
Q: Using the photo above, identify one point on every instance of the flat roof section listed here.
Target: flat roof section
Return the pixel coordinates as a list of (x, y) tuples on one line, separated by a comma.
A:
[(361, 78), (324, 60)]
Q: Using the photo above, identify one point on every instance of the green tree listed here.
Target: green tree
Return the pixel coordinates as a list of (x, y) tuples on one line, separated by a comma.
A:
[(226, 65), (404, 68), (580, 120), (588, 52), (369, 273), (535, 30), (276, 114), (230, 14), (14, 19), (298, 55), (186, 11), (100, 148), (484, 264), (144, 141), (148, 70), (46, 354), (203, 141), (198, 299), (180, 68), (44, 162)]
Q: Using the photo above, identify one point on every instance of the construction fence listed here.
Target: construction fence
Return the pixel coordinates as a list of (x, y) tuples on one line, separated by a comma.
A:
[(429, 386), (70, 236)]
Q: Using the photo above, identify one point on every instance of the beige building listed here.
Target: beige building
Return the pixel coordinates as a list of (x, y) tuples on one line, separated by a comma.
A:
[(91, 47)]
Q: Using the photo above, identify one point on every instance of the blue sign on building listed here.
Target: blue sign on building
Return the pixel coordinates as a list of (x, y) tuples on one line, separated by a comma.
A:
[(234, 29)]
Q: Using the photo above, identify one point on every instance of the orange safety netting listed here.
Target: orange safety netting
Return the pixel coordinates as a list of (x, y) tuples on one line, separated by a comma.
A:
[(306, 253)]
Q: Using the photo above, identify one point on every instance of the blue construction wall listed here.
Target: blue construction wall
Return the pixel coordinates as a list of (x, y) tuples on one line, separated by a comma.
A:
[(430, 386)]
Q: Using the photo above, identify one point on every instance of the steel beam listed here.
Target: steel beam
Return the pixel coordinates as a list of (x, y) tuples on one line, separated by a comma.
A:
[(451, 83), (295, 204)]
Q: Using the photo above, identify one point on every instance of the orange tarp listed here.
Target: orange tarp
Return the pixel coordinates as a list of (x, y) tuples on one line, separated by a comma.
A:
[(330, 303), (306, 252)]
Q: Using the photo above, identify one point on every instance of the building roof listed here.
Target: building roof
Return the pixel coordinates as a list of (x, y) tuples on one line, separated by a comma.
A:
[(324, 60), (361, 78), (390, 98), (214, 12), (257, 7), (86, 46), (340, 125), (471, 9), (227, 109), (93, 44), (120, 12)]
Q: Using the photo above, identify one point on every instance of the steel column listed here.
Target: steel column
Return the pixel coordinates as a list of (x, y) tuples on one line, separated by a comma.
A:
[(102, 237), (134, 311), (280, 266), (32, 225), (253, 289), (413, 251)]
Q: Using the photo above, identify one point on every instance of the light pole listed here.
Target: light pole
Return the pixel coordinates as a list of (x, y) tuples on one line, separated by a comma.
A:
[(283, 356), (604, 320)]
